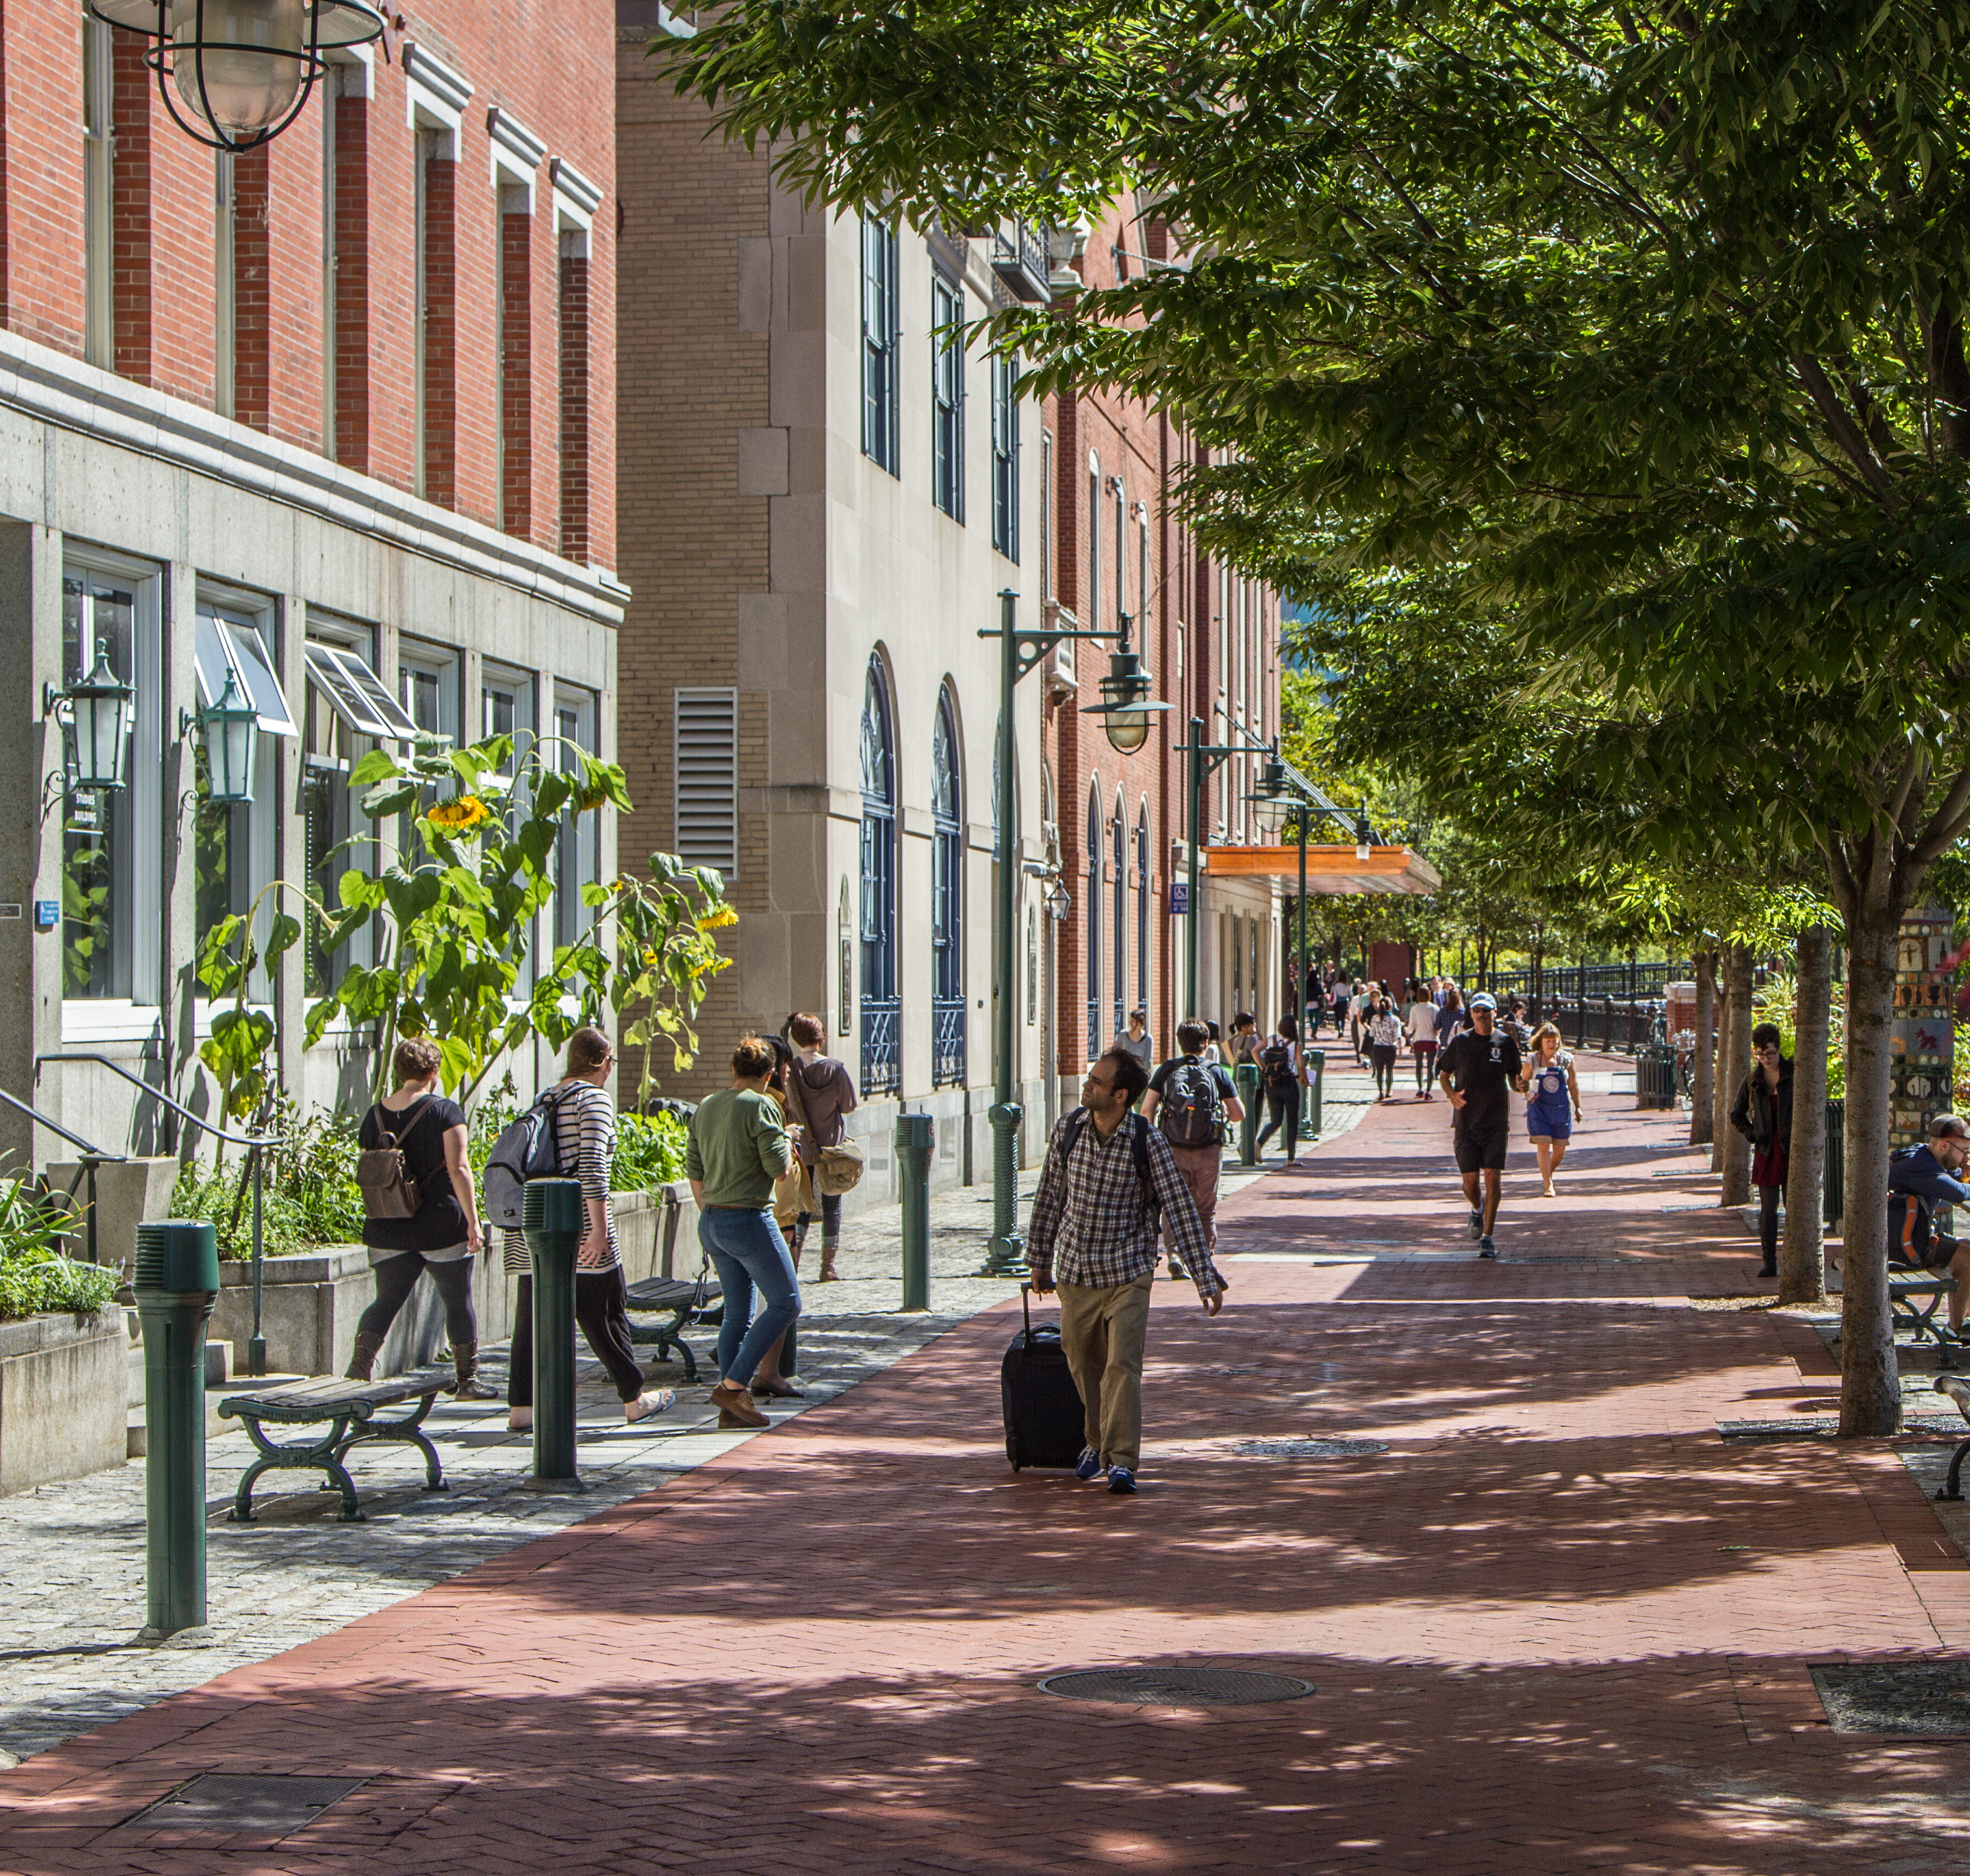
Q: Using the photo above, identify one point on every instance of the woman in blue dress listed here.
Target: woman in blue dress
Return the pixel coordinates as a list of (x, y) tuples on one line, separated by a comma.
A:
[(1552, 1101)]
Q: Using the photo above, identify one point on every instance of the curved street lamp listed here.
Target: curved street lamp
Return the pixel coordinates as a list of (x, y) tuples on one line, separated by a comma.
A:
[(1125, 708), (243, 69)]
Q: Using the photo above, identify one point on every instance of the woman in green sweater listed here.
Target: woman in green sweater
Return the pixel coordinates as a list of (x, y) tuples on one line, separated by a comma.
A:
[(738, 1147)]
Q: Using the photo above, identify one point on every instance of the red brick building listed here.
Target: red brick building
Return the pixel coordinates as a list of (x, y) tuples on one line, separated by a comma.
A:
[(339, 413), (1118, 824)]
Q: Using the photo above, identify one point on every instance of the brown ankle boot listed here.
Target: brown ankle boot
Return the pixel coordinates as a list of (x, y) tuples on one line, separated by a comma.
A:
[(362, 1362), (736, 1407), (465, 1364)]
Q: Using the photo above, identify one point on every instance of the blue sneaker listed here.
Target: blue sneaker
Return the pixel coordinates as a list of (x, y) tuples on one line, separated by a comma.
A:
[(1089, 1465), (1121, 1479), (1477, 1224), (1485, 1247)]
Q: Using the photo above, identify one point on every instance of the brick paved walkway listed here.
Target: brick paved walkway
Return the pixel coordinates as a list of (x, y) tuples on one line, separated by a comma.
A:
[(1558, 1625)]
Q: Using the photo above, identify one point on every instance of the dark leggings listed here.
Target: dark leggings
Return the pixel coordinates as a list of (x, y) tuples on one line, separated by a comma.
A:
[(601, 1297), (1383, 1056), (1285, 1104), (1768, 1223), (396, 1277), (831, 1221)]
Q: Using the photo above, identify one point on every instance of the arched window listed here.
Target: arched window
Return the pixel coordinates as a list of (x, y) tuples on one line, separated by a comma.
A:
[(881, 1038), (1142, 904), (1094, 1044), (947, 912), (1118, 853)]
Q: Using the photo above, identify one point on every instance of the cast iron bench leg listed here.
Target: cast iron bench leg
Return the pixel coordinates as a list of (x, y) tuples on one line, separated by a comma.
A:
[(406, 1432), (1954, 1490), (322, 1455)]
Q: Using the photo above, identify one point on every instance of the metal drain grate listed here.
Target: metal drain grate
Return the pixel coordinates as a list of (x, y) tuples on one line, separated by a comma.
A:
[(1309, 1448), (1572, 1264), (271, 1807), (1177, 1686), (1910, 1699)]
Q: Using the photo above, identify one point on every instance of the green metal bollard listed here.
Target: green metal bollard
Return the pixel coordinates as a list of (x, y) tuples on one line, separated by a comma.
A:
[(553, 1216), (1316, 1061), (913, 1150), (1006, 1255), (1247, 1077), (176, 1282)]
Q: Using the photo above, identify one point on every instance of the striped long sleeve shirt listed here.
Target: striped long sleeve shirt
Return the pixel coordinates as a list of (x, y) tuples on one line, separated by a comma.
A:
[(1094, 1227), (584, 1125)]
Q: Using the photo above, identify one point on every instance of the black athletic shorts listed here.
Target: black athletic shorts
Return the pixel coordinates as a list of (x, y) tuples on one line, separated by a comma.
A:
[(1481, 1139), (1937, 1258)]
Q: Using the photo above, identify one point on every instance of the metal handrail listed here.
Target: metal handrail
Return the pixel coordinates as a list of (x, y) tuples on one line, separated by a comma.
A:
[(256, 1343), (89, 1158)]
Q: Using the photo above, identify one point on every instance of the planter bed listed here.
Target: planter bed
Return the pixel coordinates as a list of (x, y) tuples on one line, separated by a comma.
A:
[(63, 1385)]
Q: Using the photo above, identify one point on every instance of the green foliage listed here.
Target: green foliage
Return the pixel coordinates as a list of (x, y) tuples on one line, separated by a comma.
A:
[(36, 1277), (309, 1196), (649, 1151)]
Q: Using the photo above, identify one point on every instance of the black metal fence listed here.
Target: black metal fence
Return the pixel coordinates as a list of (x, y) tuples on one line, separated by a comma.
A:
[(1627, 982)]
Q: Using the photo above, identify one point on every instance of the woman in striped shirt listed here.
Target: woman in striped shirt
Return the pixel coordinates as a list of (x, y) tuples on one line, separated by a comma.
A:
[(584, 1125)]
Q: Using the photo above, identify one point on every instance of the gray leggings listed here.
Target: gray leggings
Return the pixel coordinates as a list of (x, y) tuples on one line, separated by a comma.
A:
[(396, 1277)]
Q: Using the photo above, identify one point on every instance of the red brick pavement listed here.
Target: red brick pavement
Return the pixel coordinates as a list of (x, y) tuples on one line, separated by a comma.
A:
[(1557, 1626)]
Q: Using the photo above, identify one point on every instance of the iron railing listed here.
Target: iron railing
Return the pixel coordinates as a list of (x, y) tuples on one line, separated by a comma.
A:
[(946, 1047), (882, 1045)]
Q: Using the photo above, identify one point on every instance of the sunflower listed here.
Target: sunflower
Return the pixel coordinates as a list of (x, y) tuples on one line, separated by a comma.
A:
[(719, 915), (461, 815)]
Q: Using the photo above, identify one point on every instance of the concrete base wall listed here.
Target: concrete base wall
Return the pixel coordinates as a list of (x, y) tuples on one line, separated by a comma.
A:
[(62, 1397), (309, 1305), (125, 1196)]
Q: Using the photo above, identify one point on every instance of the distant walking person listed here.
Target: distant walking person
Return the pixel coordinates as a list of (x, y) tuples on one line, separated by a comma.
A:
[(1477, 1071), (1191, 1102), (1279, 1075), (583, 1119), (441, 1233), (1422, 1031), (821, 1094), (738, 1150), (1385, 1039), (1763, 1113), (1137, 1040), (1554, 1104), (1452, 1018), (1094, 1235), (1362, 1008)]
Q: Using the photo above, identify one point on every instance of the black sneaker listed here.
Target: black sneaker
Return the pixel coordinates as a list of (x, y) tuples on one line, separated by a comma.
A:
[(1485, 1247), (1477, 1225)]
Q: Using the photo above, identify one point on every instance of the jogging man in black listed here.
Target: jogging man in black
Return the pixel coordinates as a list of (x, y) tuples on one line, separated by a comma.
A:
[(1477, 1068)]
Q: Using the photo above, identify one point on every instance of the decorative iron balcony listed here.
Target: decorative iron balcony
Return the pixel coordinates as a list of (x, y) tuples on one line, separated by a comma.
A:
[(1020, 258), (882, 1045), (947, 1060)]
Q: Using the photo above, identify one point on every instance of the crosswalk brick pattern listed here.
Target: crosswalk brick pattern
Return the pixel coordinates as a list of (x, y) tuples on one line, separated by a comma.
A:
[(1557, 1626)]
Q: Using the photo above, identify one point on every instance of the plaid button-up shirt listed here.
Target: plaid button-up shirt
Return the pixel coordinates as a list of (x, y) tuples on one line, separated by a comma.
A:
[(1092, 1225)]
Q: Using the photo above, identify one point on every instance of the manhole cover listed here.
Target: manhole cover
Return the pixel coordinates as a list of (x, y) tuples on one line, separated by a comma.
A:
[(1309, 1448), (1915, 1700), (1177, 1686), (270, 1807)]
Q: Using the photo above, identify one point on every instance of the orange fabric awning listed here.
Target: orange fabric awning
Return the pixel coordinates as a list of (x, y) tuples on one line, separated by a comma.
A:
[(1330, 870)]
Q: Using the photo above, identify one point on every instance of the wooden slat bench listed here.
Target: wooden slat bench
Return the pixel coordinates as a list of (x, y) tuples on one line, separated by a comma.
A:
[(673, 1296), (347, 1410)]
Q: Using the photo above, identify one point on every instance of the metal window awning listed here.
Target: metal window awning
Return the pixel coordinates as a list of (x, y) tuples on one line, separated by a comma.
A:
[(1330, 871), (358, 696), (220, 645)]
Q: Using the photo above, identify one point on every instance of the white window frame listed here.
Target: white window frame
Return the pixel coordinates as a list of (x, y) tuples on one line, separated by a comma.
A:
[(356, 694)]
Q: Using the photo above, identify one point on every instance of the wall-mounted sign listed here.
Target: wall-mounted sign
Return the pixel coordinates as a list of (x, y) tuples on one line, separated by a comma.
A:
[(1179, 898)]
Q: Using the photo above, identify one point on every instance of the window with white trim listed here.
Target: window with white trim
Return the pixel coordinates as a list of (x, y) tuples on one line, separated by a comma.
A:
[(947, 395), (341, 838), (577, 851), (882, 340)]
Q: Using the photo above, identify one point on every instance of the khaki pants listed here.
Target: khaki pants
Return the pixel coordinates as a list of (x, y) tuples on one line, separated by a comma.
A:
[(1102, 1332), (1200, 1166)]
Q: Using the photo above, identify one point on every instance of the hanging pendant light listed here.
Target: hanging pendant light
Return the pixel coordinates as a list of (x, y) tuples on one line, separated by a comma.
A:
[(1124, 709), (242, 70)]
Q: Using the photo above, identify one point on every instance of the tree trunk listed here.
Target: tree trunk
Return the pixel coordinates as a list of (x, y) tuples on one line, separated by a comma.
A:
[(1735, 1060), (1703, 1062), (1871, 1401), (1801, 1272), (1720, 1087)]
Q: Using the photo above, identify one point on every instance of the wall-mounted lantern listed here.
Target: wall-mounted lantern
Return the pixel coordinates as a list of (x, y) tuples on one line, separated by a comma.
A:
[(229, 728), (96, 713)]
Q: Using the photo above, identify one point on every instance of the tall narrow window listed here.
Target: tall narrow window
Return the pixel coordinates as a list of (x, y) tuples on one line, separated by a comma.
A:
[(1118, 854), (1093, 540), (516, 362), (577, 848), (882, 1013), (346, 293), (339, 840), (882, 438), (1093, 896), (1142, 906), (947, 389), (98, 210), (1005, 457), (225, 304), (436, 319), (574, 438), (947, 903), (424, 142), (1121, 548), (1142, 568), (1047, 497)]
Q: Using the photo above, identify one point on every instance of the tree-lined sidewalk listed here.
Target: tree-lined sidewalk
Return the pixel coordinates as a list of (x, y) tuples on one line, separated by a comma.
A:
[(1558, 1624)]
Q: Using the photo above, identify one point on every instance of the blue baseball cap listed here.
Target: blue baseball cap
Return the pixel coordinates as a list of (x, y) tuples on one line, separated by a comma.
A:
[(1484, 1000)]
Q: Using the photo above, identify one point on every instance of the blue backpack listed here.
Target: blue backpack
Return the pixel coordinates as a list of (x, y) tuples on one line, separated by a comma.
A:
[(527, 1148)]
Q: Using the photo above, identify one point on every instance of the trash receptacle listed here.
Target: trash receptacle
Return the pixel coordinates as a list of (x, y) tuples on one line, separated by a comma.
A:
[(176, 1282), (1246, 1077)]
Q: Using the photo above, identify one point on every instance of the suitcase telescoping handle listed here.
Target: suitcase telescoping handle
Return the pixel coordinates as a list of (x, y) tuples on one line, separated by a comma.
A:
[(1026, 1310)]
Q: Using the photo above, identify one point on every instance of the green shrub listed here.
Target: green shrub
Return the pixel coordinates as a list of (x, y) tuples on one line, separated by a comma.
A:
[(36, 1278), (649, 1151), (309, 1195)]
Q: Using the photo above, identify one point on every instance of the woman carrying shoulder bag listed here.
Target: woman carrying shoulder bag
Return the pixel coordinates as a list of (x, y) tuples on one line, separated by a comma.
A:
[(821, 1093), (424, 1214)]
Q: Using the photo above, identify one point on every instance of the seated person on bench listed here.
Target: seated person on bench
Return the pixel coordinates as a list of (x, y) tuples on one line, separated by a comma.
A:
[(1919, 1179)]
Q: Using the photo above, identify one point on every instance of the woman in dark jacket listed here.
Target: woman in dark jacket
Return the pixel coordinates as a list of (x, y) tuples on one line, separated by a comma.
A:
[(1763, 1113)]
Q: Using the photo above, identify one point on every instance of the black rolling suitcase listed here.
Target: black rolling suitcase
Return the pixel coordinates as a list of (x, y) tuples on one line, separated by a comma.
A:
[(1043, 1407)]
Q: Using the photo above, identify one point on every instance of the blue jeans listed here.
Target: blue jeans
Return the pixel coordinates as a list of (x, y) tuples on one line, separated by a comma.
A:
[(749, 1253)]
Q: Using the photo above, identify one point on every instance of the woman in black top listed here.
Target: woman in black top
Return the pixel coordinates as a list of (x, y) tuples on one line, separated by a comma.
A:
[(1763, 1113), (442, 1235)]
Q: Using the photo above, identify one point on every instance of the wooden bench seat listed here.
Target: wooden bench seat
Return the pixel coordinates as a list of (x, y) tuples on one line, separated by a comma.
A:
[(347, 1411)]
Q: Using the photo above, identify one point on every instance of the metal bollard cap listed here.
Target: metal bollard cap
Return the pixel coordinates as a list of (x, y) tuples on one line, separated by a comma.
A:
[(553, 1205), (914, 1130), (177, 1256)]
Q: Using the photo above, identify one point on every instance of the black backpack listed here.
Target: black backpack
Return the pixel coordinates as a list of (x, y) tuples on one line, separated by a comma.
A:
[(1138, 1145), (1191, 1112), (527, 1147), (1276, 1064)]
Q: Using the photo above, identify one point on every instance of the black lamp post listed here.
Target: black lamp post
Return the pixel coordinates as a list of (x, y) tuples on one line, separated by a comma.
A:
[(243, 69)]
